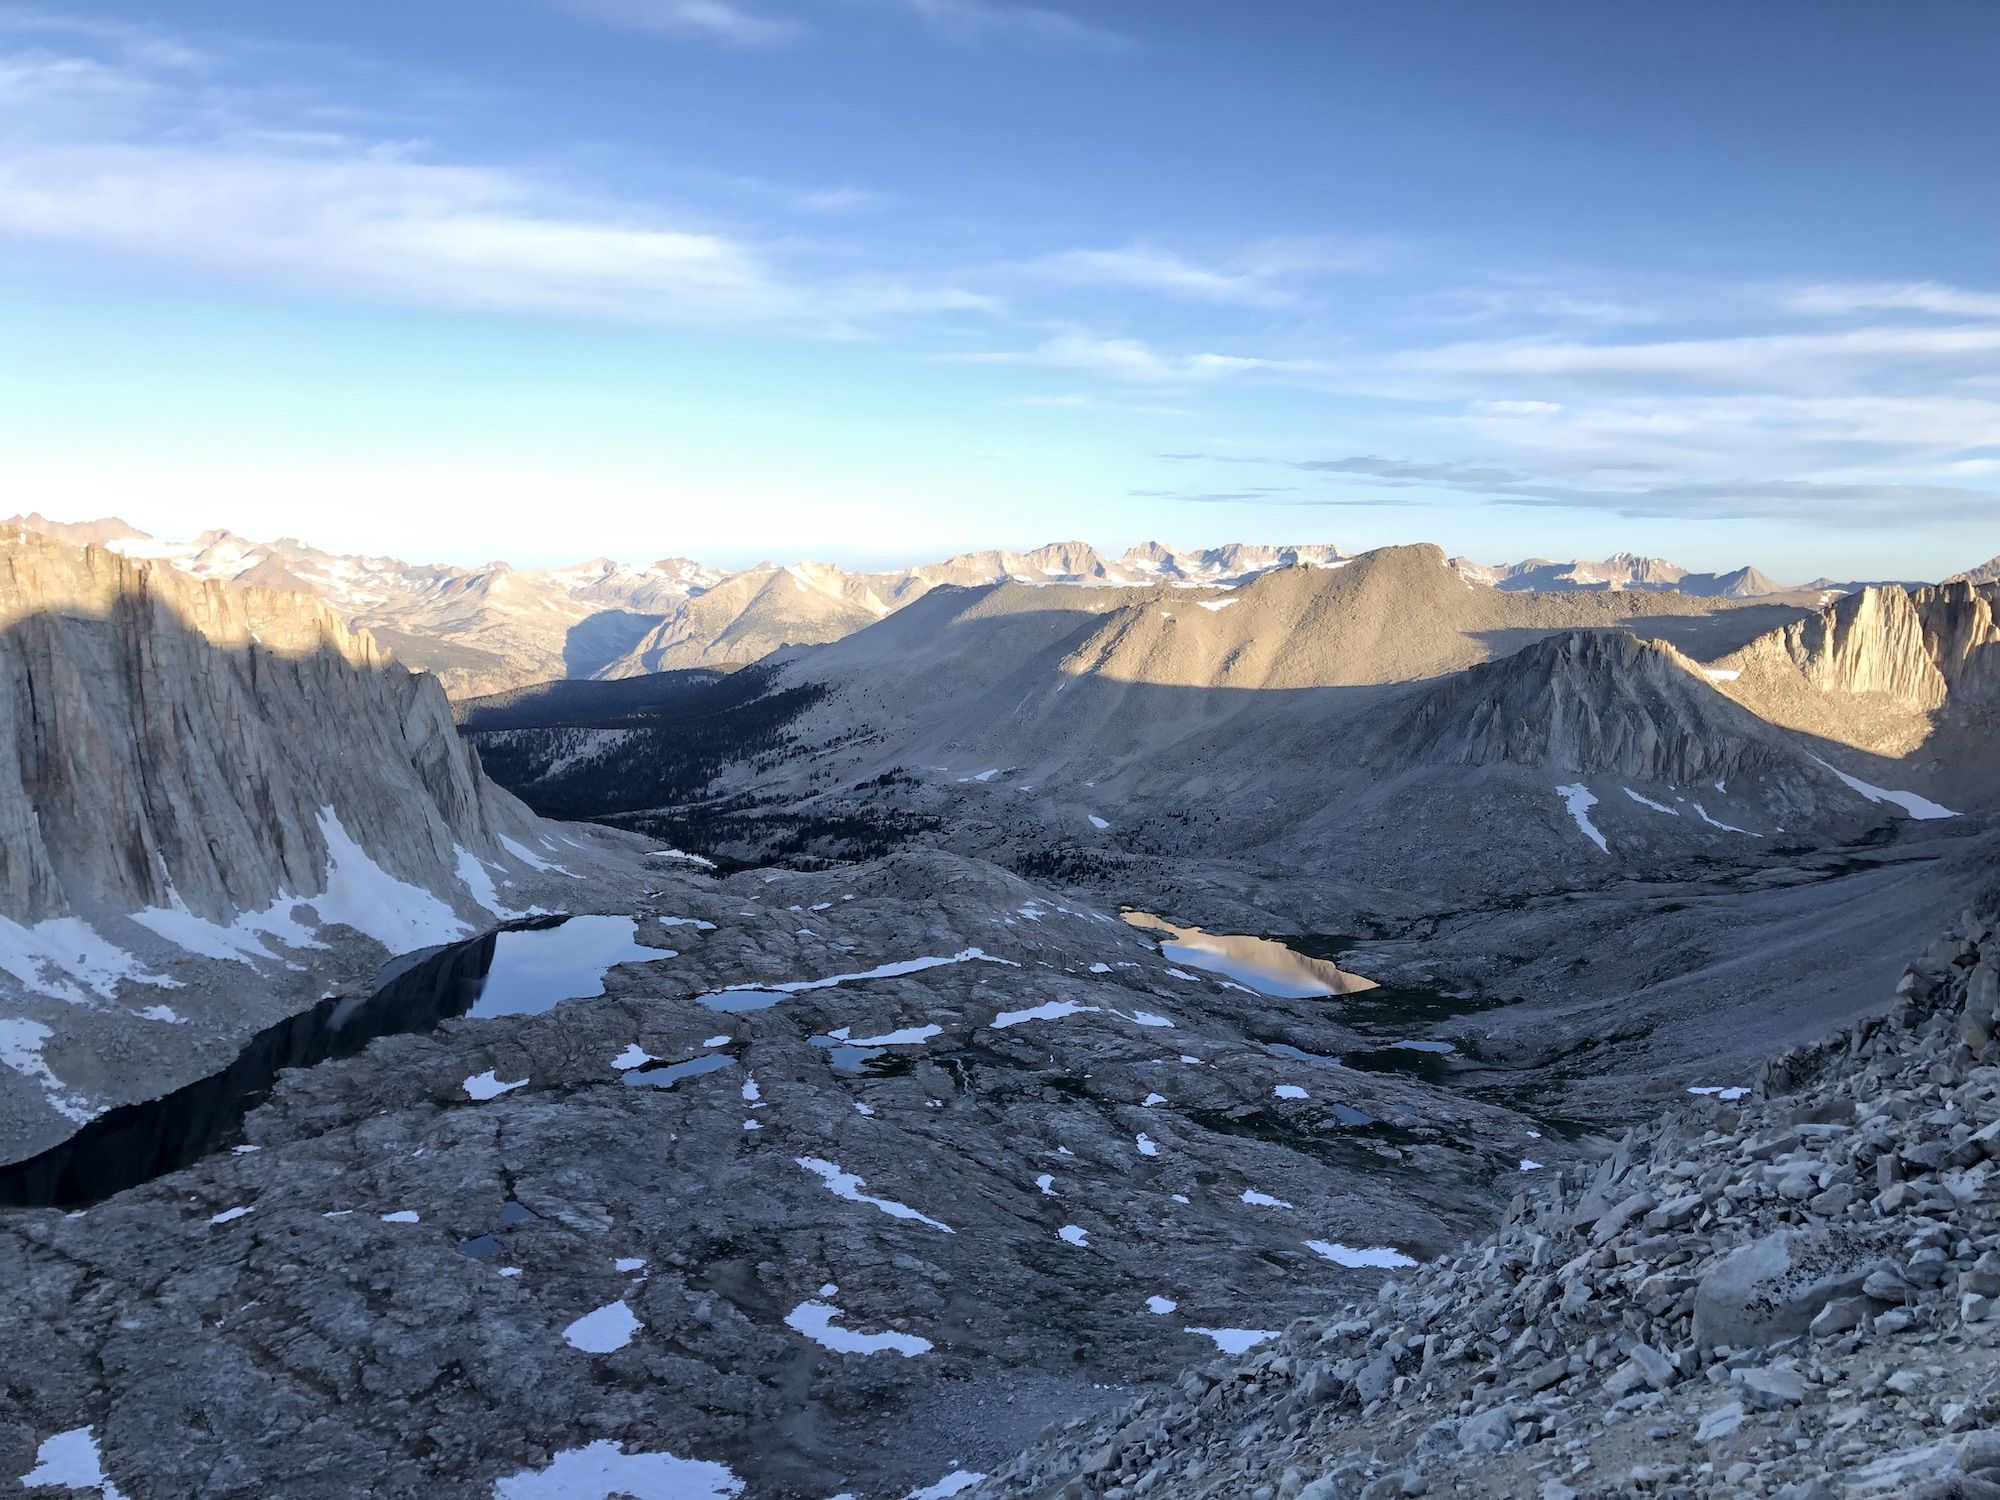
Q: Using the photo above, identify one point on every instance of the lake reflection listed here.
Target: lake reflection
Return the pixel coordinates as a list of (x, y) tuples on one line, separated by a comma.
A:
[(1268, 967)]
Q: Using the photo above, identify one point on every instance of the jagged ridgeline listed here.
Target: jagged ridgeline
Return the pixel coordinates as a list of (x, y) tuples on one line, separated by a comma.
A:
[(201, 783), (1321, 715)]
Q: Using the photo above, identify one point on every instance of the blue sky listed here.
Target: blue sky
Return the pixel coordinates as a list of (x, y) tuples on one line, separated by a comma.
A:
[(877, 280)]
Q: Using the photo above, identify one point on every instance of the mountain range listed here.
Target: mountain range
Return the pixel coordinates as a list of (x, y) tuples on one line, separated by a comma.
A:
[(1327, 717), (492, 628)]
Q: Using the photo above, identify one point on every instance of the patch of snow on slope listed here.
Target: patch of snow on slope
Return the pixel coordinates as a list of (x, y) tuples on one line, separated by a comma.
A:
[(487, 1085), (362, 895), (1161, 1305), (604, 1469), (1236, 1340), (1147, 1145), (476, 878), (1073, 1234), (846, 1185), (1263, 1200), (908, 1036), (1096, 822), (607, 1329), (1718, 823), (816, 1321), (1218, 604), (241, 941), (1910, 802), (1048, 1010), (1720, 674), (635, 1056), (1645, 801), (1290, 1091), (71, 1459), (945, 1488), (21, 1043), (68, 946), (528, 856), (880, 971), (1372, 1257), (1579, 799)]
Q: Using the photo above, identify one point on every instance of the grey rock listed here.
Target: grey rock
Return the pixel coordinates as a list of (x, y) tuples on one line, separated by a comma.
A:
[(1770, 1388), (1486, 1432), (1721, 1422), (1774, 1287)]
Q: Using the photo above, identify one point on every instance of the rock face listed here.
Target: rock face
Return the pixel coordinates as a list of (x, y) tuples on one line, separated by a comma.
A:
[(1774, 1288), (201, 780), (167, 741), (1596, 703), (1793, 1295), (1883, 670)]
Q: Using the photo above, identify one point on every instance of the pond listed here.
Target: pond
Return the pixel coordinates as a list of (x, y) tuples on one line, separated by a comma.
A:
[(523, 968), (1260, 964)]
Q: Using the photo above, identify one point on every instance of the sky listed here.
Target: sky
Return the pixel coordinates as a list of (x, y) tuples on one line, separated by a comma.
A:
[(874, 281)]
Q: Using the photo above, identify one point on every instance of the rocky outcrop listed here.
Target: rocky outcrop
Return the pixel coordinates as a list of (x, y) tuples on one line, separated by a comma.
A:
[(1881, 669), (173, 743), (1793, 1295), (214, 802), (1592, 702)]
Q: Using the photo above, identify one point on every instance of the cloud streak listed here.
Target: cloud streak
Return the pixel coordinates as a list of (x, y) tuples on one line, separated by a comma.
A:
[(123, 165), (699, 20), (1130, 361)]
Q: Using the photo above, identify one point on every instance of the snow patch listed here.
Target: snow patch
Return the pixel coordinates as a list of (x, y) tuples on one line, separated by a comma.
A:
[(21, 1043), (1718, 823), (604, 1469), (846, 1185), (40, 955), (1371, 1257), (1073, 1234), (1910, 802), (1579, 799), (1236, 1340), (816, 1320), (945, 1488), (361, 894), (1263, 1200), (71, 1460), (1645, 801), (604, 1331), (1048, 1010), (487, 1085)]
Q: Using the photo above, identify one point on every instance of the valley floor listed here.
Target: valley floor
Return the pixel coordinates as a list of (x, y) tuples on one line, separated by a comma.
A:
[(895, 1163)]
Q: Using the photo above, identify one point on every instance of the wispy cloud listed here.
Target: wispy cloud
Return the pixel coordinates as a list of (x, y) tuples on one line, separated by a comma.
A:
[(1082, 401), (127, 164), (1840, 299), (1536, 301), (1779, 359), (1262, 276), (701, 20), (1129, 360), (1818, 501), (971, 21)]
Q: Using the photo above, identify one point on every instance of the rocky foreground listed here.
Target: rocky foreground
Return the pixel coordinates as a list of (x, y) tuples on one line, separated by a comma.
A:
[(1795, 1294)]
